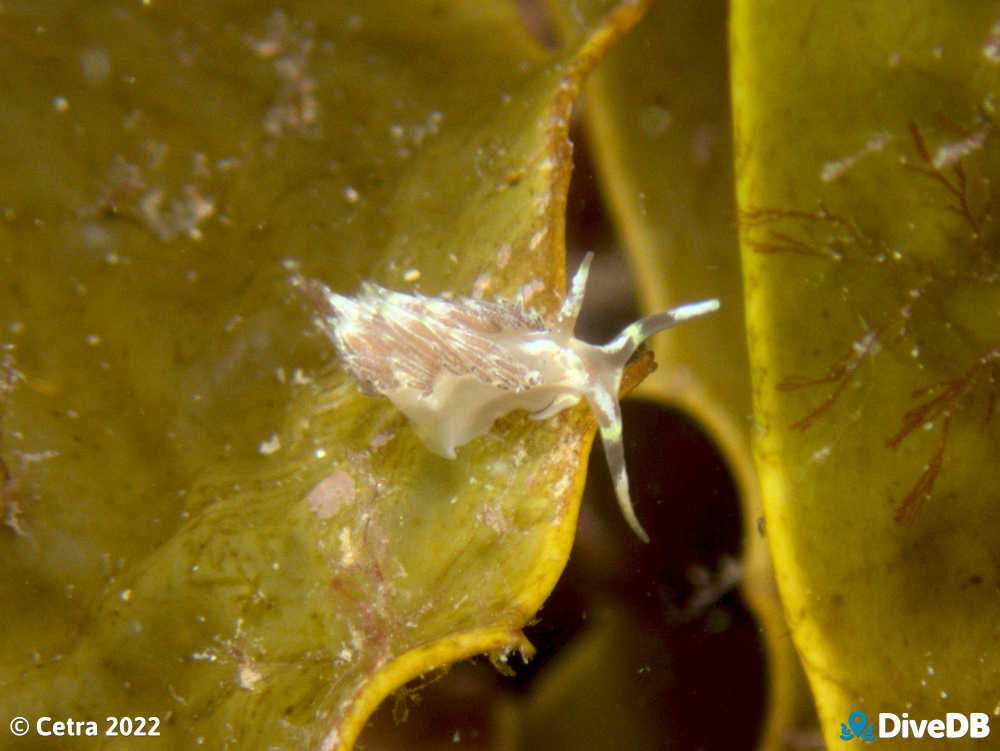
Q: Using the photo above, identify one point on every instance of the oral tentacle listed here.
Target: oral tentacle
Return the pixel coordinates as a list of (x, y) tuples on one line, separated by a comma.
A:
[(622, 347), (609, 421)]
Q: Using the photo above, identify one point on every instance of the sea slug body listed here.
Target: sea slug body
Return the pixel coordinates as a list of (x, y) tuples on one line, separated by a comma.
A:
[(453, 366)]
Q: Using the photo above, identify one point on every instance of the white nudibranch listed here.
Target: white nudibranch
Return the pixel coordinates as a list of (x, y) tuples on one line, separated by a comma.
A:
[(454, 366)]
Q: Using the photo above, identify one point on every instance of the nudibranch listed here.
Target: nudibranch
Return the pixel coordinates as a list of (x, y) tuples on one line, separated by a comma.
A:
[(453, 366)]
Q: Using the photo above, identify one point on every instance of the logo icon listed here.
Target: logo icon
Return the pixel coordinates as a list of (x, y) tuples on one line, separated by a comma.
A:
[(860, 728)]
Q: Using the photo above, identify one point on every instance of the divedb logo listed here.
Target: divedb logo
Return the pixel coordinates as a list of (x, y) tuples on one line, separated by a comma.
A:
[(859, 728), (954, 725)]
